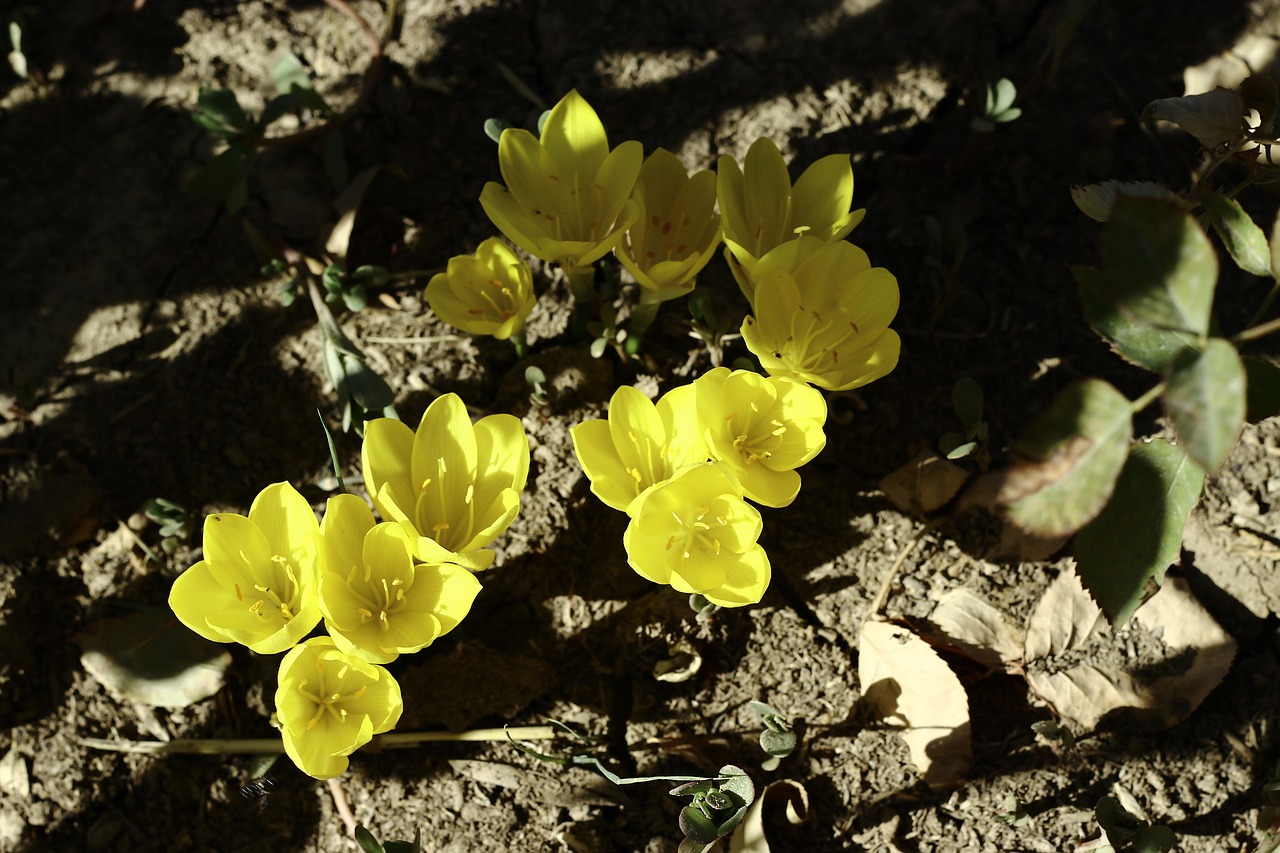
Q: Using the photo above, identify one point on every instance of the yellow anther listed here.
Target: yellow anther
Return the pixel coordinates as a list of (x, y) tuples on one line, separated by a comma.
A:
[(239, 594)]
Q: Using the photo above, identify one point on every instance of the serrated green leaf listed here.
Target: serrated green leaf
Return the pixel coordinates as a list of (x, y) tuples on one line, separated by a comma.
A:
[(1205, 399), (1138, 534), (221, 105), (1072, 455), (289, 74), (1141, 345), (1159, 265), (1244, 240), (1262, 389)]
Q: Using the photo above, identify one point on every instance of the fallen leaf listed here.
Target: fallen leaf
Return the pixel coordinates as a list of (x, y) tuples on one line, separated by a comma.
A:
[(1068, 620), (905, 680), (925, 483), (152, 658), (783, 799), (1096, 200), (1214, 118), (978, 629)]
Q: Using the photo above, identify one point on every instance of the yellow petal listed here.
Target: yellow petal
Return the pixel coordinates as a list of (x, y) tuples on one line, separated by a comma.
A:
[(574, 136), (870, 363), (745, 580), (610, 482), (386, 462), (822, 196), (287, 521), (527, 171), (768, 196), (444, 453), (196, 594), (518, 224), (347, 520)]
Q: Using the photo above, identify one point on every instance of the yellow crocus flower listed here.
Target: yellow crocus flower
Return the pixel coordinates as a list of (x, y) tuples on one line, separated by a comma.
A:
[(488, 293), (258, 582), (761, 210), (329, 704), (762, 429), (453, 486), (696, 533), (567, 195), (827, 322), (377, 603), (639, 445)]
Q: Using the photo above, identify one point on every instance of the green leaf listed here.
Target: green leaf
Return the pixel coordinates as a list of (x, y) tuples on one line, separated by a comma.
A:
[(289, 74), (1154, 839), (367, 842), (1139, 532), (1159, 264), (224, 178), (1244, 240), (277, 107), (221, 105), (1072, 455), (1274, 246), (493, 128), (1205, 399), (698, 827), (1262, 391), (778, 744), (1141, 345)]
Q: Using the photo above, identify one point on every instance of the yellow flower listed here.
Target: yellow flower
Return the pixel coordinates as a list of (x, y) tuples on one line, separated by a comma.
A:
[(452, 486), (696, 533), (257, 584), (677, 231), (376, 603), (762, 429), (488, 293), (640, 445), (329, 704), (567, 197), (826, 323), (761, 210)]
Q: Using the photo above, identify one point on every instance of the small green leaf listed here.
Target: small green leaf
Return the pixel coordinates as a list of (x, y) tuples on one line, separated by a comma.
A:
[(276, 107), (1139, 532), (221, 105), (1141, 345), (1205, 400), (598, 347), (290, 75), (1244, 240), (779, 744), (1153, 839), (1159, 264), (367, 842), (542, 120), (698, 827), (493, 128), (1262, 389), (224, 177), (1072, 455)]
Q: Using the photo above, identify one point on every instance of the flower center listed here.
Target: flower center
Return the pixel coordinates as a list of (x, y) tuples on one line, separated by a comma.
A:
[(278, 595), (375, 599), (695, 534), (328, 702)]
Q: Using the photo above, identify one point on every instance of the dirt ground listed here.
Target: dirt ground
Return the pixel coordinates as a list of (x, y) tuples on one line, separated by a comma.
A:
[(143, 356)]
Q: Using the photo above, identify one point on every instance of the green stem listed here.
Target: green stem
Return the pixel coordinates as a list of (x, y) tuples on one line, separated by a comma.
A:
[(521, 343), (1257, 331), (582, 282), (1147, 399), (642, 317), (1266, 303)]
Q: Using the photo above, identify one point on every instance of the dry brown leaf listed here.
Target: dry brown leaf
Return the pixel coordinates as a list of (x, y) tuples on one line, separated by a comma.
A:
[(973, 625), (906, 681), (1066, 619), (781, 798), (926, 483)]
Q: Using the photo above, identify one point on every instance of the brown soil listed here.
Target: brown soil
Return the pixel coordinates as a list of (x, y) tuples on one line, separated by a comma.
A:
[(143, 356)]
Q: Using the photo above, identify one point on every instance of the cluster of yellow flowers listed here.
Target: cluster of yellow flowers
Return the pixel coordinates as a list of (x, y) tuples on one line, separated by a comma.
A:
[(820, 311), (682, 469), (444, 492)]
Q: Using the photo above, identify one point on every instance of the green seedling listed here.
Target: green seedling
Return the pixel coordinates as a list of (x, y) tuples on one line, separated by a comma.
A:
[(778, 739), (537, 382), (369, 844), (1058, 736), (1125, 832), (352, 288), (998, 107), (176, 524), (17, 59), (718, 806), (971, 440), (1012, 811), (702, 608)]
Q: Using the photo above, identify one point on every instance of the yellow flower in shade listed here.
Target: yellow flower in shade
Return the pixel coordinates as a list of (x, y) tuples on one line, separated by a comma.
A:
[(762, 429), (258, 582), (488, 293), (677, 231), (696, 533), (826, 323), (761, 210), (567, 196), (329, 704), (376, 603), (453, 486), (639, 445)]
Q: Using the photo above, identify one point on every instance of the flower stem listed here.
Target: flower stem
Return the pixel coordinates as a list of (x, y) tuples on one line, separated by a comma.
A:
[(582, 285), (642, 317), (521, 343), (1266, 303), (1147, 399), (270, 746)]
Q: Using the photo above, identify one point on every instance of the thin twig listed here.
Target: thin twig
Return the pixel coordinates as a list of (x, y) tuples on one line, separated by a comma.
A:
[(883, 594), (271, 746)]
